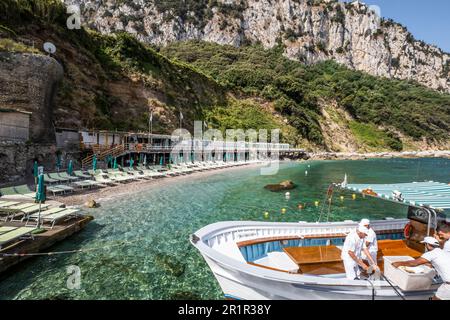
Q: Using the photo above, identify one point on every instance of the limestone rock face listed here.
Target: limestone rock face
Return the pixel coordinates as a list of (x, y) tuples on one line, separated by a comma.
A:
[(28, 82), (310, 30)]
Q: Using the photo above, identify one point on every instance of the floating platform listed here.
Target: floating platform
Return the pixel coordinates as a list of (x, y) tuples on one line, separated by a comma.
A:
[(40, 242)]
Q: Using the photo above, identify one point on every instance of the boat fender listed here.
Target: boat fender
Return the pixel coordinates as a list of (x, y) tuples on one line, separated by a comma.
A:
[(408, 230)]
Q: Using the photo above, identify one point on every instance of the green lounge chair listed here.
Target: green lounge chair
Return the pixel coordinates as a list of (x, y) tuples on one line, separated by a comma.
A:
[(24, 213), (35, 216), (67, 176), (24, 190), (65, 188), (55, 190), (5, 204), (6, 229), (63, 215), (8, 191), (82, 175), (15, 235), (55, 176)]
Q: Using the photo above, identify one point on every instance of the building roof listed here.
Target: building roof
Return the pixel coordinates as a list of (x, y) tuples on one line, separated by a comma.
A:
[(418, 194)]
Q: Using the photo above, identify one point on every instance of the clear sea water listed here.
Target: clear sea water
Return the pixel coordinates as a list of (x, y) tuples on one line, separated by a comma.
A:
[(159, 263)]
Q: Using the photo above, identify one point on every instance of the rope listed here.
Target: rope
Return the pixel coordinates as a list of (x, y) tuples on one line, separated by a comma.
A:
[(70, 251)]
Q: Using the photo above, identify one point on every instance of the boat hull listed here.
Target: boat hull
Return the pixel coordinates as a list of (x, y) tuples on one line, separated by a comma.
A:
[(238, 279)]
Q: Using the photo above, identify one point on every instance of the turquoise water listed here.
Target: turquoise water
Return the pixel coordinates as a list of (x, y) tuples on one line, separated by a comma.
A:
[(159, 263)]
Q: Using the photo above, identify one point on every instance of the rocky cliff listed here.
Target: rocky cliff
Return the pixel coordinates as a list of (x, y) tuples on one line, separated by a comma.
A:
[(311, 31)]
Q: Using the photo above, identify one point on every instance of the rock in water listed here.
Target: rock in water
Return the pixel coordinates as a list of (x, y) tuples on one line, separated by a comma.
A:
[(91, 204), (285, 185)]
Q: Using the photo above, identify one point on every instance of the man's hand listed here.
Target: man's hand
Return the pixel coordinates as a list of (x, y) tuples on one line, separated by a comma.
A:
[(397, 264)]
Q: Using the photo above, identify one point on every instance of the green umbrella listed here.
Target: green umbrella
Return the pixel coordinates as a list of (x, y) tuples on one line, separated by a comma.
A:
[(131, 163), (40, 194), (94, 163), (58, 162), (161, 161), (115, 163), (70, 168)]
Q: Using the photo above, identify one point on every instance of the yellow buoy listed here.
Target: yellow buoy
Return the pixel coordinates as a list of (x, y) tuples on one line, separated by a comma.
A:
[(342, 198), (353, 196), (283, 211), (316, 203), (266, 215)]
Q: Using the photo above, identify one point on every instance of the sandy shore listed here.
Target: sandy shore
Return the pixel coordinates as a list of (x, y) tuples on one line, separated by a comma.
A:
[(102, 195), (378, 155)]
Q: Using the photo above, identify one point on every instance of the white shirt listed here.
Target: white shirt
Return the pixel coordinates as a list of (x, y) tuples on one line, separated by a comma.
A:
[(440, 260), (372, 239), (352, 243), (447, 246)]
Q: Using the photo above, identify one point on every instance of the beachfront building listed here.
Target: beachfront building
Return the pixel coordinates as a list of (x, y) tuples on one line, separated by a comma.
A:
[(163, 149)]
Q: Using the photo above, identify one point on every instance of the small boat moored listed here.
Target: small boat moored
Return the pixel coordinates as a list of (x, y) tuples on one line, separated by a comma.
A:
[(264, 260)]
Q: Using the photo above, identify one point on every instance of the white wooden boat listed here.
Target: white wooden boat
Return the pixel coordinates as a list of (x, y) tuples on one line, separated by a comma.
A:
[(263, 260)]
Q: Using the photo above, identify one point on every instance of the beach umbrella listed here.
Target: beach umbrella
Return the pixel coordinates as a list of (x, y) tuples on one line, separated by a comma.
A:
[(131, 163), (145, 160), (94, 163), (70, 168), (192, 156), (35, 172), (161, 161), (58, 162), (115, 163), (40, 196)]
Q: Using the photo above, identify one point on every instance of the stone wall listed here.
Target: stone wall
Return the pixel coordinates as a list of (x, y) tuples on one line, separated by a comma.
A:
[(17, 160), (28, 82)]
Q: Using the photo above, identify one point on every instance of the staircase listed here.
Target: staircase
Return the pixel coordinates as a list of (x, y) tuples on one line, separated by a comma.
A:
[(102, 154)]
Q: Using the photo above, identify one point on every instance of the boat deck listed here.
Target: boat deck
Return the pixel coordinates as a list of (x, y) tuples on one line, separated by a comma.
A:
[(326, 260)]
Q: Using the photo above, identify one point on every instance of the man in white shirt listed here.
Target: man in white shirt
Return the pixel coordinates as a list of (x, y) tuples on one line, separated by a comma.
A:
[(351, 253), (443, 236), (371, 244), (440, 260)]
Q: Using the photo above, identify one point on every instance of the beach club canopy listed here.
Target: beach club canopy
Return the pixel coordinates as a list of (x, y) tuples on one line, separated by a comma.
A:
[(418, 194)]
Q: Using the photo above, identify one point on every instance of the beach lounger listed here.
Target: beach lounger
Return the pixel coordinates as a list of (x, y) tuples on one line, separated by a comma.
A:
[(55, 190), (67, 176), (24, 190), (35, 216), (4, 204), (56, 177), (24, 213), (65, 188), (82, 175), (15, 235), (104, 180), (63, 215), (88, 184), (6, 229), (9, 191)]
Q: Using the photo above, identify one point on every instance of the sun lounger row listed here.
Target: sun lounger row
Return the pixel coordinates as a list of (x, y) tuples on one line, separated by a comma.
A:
[(16, 211), (9, 235)]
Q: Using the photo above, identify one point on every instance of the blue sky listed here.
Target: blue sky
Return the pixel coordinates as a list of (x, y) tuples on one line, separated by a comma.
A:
[(427, 20)]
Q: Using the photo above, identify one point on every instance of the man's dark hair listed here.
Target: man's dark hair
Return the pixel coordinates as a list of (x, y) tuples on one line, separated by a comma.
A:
[(444, 228)]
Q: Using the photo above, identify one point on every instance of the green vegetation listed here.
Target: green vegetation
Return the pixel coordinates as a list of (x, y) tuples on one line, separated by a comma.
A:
[(10, 45), (240, 114), (369, 135), (298, 91)]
